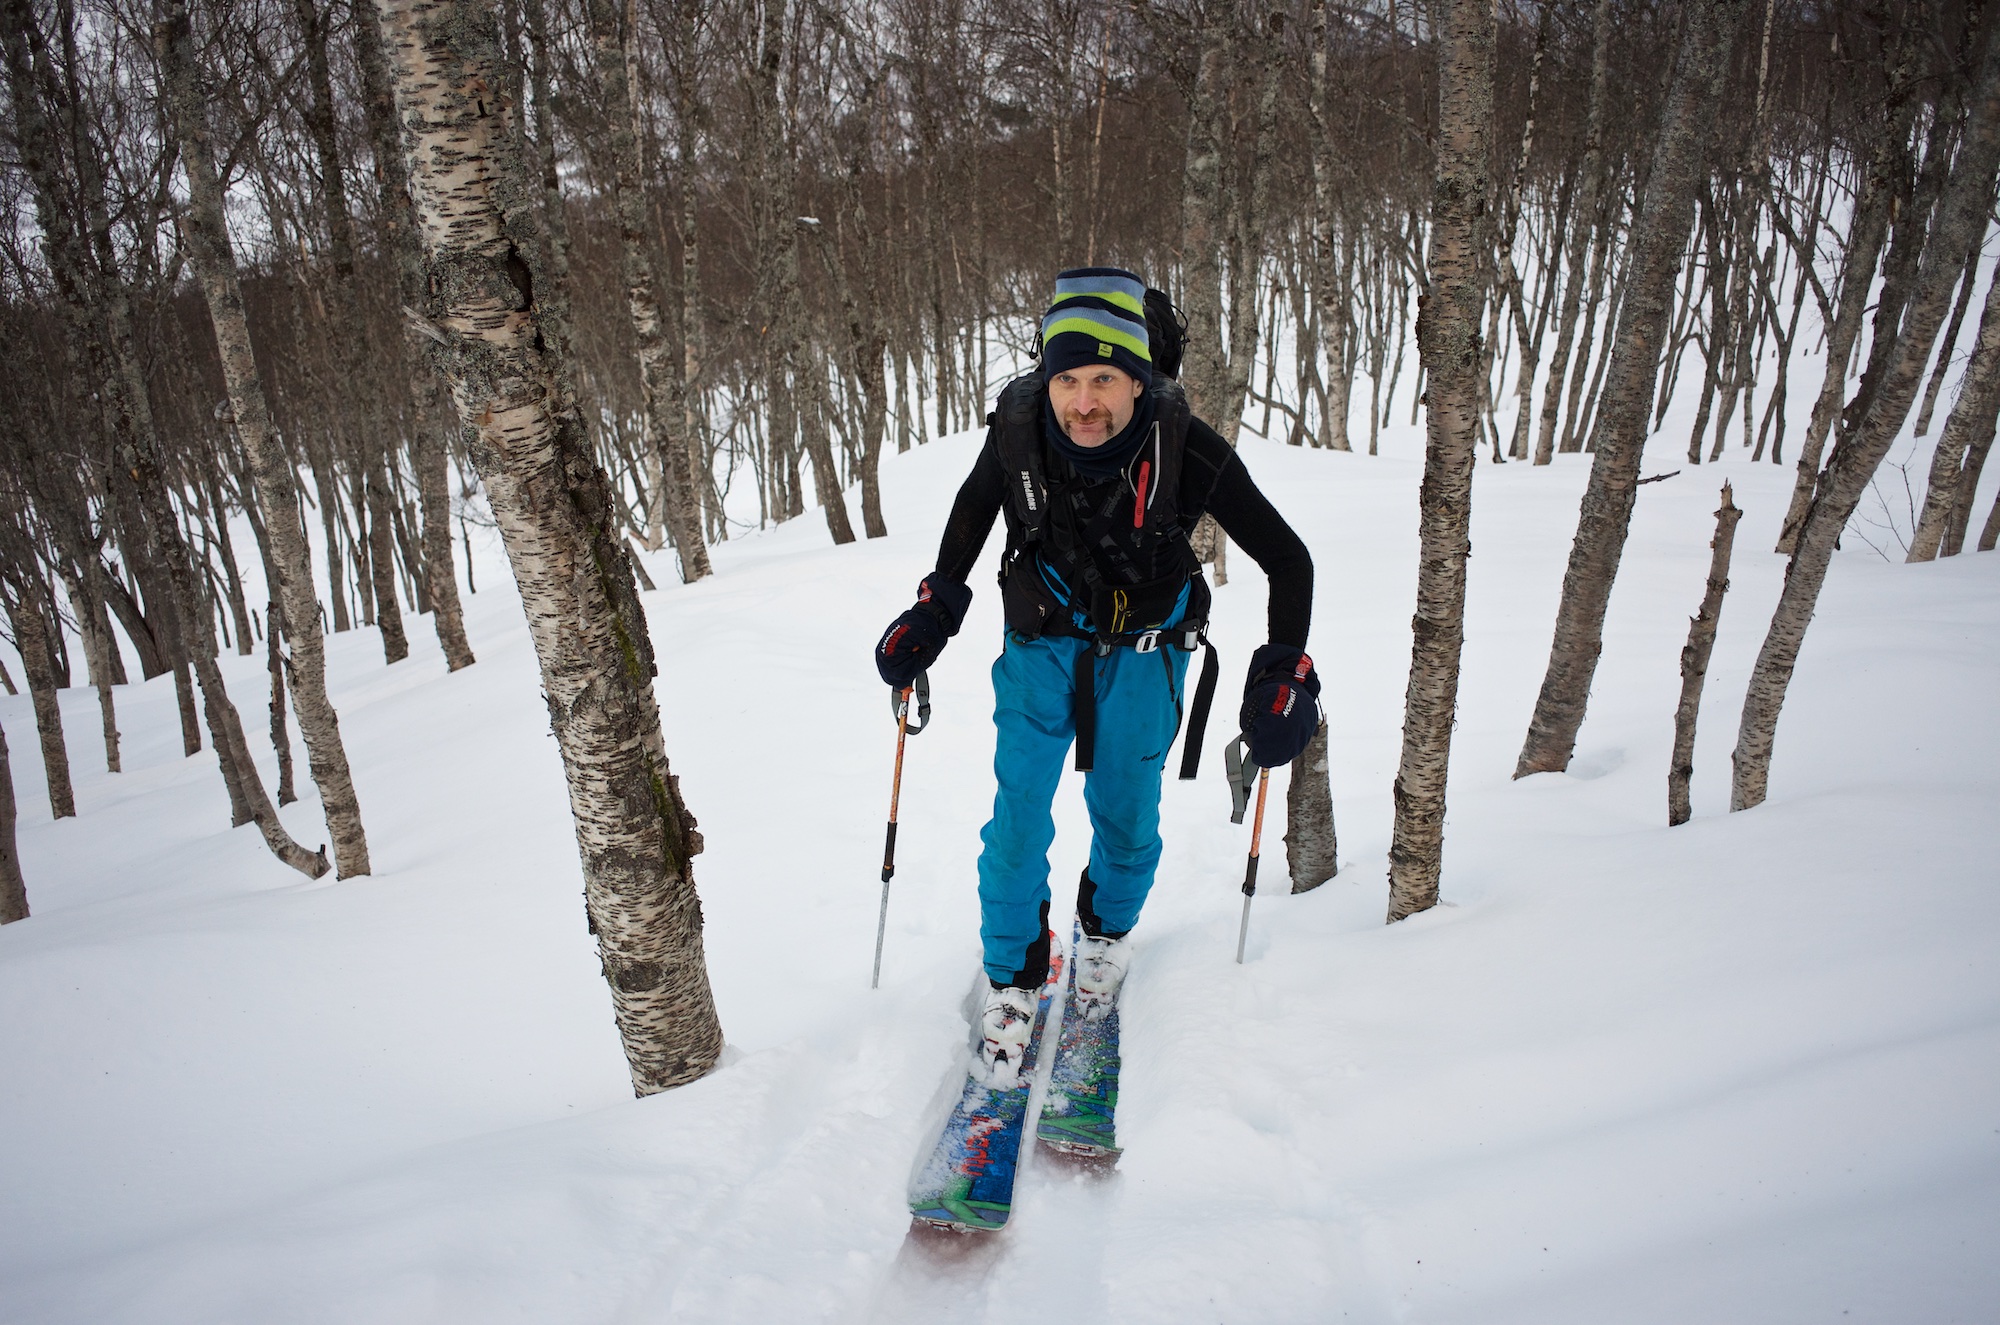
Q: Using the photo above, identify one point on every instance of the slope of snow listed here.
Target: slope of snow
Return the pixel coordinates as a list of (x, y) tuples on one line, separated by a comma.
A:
[(1741, 1070)]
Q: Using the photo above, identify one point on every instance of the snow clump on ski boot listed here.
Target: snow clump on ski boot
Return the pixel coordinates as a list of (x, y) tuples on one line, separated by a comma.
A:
[(1100, 970), (1005, 1026)]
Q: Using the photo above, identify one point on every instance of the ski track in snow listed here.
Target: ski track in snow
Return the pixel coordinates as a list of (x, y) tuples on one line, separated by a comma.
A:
[(1743, 1070)]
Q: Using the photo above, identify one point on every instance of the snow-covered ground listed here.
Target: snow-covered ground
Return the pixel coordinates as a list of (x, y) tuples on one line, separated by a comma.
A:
[(1745, 1070)]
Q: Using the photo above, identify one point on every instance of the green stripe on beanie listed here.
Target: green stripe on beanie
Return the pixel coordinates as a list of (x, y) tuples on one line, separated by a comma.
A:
[(1097, 316)]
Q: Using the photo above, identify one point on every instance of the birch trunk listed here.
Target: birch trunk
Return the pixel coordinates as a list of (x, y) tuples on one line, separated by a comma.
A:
[(100, 653), (31, 637), (430, 411), (1991, 532), (270, 466), (698, 467), (1877, 199), (1951, 331), (1968, 492), (13, 888), (1694, 661), (1332, 278), (1665, 217), (382, 552), (1448, 339), (659, 374), (1884, 403), (1204, 369), (1972, 419), (1312, 847), (1587, 207), (553, 504)]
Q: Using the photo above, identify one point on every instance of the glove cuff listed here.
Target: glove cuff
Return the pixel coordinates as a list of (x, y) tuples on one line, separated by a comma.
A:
[(947, 600), (1282, 662)]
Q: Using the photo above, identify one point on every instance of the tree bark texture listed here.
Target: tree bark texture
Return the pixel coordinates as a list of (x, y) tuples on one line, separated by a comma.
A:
[(1694, 661), (1972, 419), (475, 203), (1665, 216), (430, 411), (13, 888), (1990, 533), (659, 374), (270, 465), (100, 652), (1865, 436), (1879, 197), (382, 552), (1205, 368), (31, 637), (1585, 219), (1448, 327), (1312, 847)]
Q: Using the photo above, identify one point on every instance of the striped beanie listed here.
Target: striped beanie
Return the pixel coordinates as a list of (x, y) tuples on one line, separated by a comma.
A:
[(1098, 316)]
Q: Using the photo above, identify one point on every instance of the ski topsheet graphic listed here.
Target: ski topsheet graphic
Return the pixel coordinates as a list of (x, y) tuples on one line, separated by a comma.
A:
[(967, 1184), (1077, 1114)]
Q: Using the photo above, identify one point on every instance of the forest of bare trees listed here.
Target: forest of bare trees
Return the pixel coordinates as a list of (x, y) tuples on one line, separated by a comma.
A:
[(356, 277)]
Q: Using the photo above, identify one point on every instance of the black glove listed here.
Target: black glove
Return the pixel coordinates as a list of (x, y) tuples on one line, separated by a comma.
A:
[(915, 639), (1280, 705)]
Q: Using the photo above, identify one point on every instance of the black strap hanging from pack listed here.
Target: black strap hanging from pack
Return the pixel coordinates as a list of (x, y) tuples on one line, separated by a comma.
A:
[(1204, 695), (1086, 708)]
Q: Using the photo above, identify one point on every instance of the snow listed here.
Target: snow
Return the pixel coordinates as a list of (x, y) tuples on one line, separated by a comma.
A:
[(1741, 1070)]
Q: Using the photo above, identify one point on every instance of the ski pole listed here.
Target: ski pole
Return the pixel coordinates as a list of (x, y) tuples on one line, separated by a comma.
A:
[(1250, 869), (921, 689)]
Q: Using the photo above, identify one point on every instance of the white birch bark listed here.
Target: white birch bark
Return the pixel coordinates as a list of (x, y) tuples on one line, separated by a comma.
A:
[(475, 205), (1448, 337), (1972, 418)]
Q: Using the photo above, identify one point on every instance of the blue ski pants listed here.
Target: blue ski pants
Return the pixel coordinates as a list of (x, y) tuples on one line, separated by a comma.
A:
[(1138, 713)]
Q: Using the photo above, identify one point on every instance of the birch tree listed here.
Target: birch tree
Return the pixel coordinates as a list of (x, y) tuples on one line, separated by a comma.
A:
[(214, 261), (659, 375), (1448, 337), (475, 203)]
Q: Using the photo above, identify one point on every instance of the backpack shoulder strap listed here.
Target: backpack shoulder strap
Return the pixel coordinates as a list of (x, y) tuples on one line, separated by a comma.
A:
[(1017, 420), (1170, 407)]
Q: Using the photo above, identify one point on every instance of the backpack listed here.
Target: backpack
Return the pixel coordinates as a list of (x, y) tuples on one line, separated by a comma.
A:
[(1166, 330)]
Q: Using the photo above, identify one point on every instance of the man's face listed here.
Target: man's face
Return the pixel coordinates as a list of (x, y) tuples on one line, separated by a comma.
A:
[(1093, 403)]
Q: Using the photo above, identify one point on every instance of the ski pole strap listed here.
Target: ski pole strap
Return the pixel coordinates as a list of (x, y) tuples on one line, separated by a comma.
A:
[(1204, 695), (922, 686), (1086, 706), (1242, 778)]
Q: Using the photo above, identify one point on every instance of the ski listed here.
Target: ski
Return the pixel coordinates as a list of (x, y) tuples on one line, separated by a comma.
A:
[(967, 1184), (1078, 1112)]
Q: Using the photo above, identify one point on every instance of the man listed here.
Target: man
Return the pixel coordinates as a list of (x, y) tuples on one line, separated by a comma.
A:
[(1103, 473)]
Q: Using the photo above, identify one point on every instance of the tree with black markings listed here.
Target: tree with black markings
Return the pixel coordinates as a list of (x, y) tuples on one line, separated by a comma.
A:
[(476, 204)]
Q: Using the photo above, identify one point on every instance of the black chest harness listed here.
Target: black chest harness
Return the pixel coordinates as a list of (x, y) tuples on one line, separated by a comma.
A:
[(1103, 559)]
